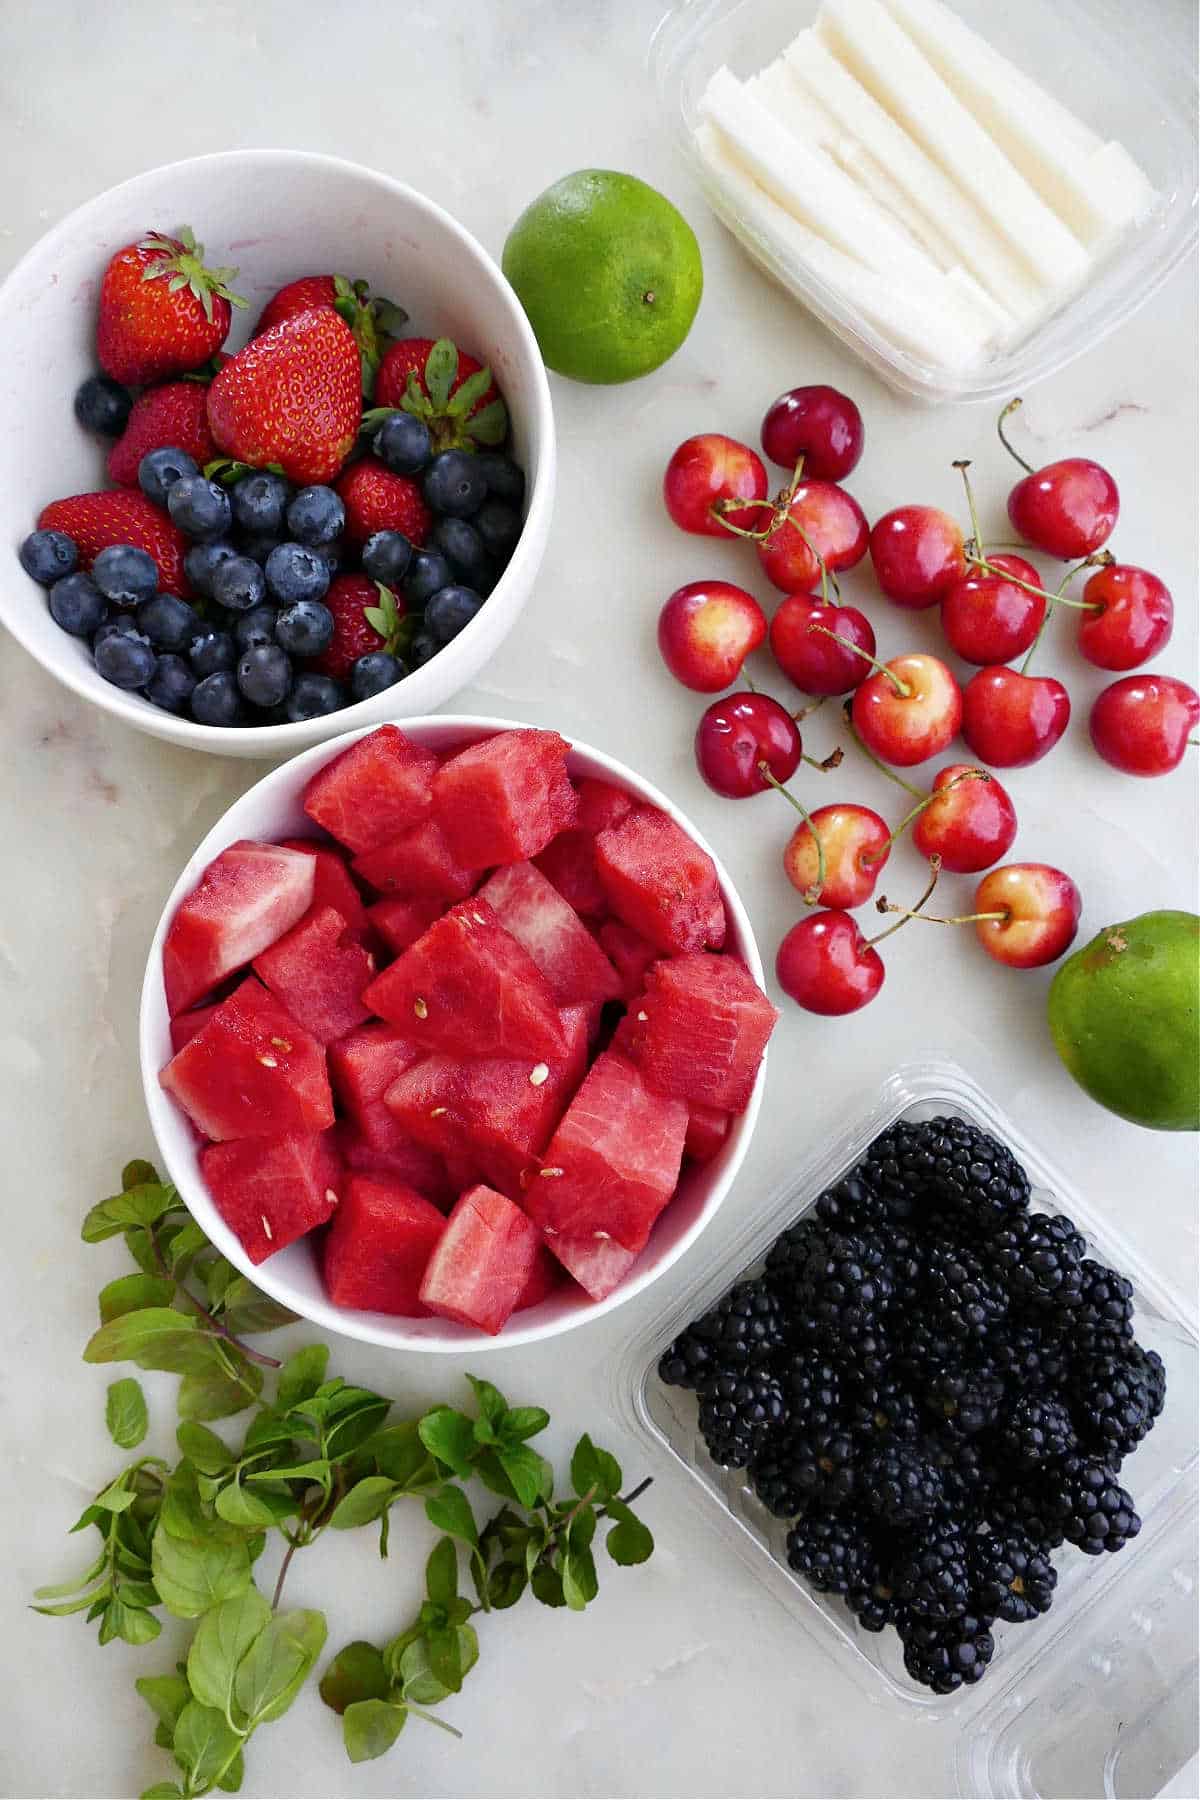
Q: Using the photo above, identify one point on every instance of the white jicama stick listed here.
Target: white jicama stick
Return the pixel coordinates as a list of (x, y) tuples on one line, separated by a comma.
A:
[(1090, 205), (930, 189), (883, 188), (965, 283), (901, 317), (865, 36), (798, 111)]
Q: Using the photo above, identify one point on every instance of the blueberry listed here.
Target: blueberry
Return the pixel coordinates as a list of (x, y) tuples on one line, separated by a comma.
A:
[(239, 584), (255, 627), (312, 697), (374, 672), (386, 557), (402, 442), (210, 651), (449, 611), (216, 700), (264, 674), (125, 575), (499, 525), (171, 684), (331, 555), (202, 562), (463, 549), (305, 629), (159, 470), (126, 659), (259, 501), (169, 623), (315, 515), (423, 649), (77, 604), (453, 485), (102, 404), (294, 572), (199, 507), (258, 545), (505, 481), (122, 625), (427, 572), (48, 556)]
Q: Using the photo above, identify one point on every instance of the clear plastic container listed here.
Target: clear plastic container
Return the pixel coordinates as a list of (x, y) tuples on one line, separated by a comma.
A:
[(1099, 1693), (1127, 72)]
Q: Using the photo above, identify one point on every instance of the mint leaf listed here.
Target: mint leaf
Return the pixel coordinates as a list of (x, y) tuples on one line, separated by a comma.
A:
[(129, 1292), (491, 1402), (222, 1639), (203, 1448), (153, 1338), (185, 1245), (371, 1727), (530, 1474), (192, 1577), (366, 1500), (629, 1541), (594, 1471), (162, 1790), (450, 1511), (166, 1695), (214, 1393), (140, 1205), (400, 1455), (246, 1309), (238, 1507), (579, 1583), (205, 1744), (450, 1436), (138, 1174), (356, 1673), (125, 1413), (505, 1585), (301, 1376), (273, 1671), (547, 1586), (441, 1573), (521, 1422)]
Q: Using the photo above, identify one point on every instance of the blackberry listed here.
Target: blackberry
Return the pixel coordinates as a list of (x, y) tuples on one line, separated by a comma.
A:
[(1116, 1400), (1035, 1509), (874, 1606), (963, 1298), (1097, 1512), (1103, 1320), (883, 1409), (1040, 1258), (789, 1253), (852, 1205), (812, 1389), (833, 1554), (947, 1656), (1037, 1431), (843, 1288), (746, 1326), (826, 1468), (737, 1409), (1011, 1576), (899, 1167), (965, 1401), (923, 1349), (931, 1574), (899, 1485), (973, 1178), (773, 1475), (688, 1363), (1029, 1359)]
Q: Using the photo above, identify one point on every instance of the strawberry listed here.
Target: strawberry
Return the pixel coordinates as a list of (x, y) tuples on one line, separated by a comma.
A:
[(446, 387), (95, 521), (366, 616), (172, 416), (376, 500), (161, 311), (291, 398), (373, 321)]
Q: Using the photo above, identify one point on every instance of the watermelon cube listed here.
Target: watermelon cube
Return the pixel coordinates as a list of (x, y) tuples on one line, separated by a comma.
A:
[(184, 1026), (374, 790), (629, 954), (333, 885), (598, 1264), (483, 1261), (569, 863), (246, 898), (362, 1067), (271, 1190), (319, 970), (467, 987), (502, 800), (377, 1248), (412, 1165), (707, 1130), (660, 883), (601, 804), (545, 1277), (558, 941), (613, 1163), (251, 1071), (401, 922), (700, 1029), (418, 864)]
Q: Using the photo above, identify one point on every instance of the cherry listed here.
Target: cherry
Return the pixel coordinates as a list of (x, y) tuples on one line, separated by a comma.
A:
[(704, 474), (826, 965), (1067, 509), (815, 663), (1133, 618), (737, 734), (1026, 914), (818, 424), (855, 844), (1142, 725), (991, 619), (706, 631), (909, 710), (969, 820), (1011, 719), (823, 523), (918, 555)]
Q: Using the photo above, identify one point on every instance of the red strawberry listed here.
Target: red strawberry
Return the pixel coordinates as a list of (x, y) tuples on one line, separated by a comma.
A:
[(366, 616), (446, 387), (376, 500), (292, 398), (174, 415), (161, 311), (371, 320), (118, 517)]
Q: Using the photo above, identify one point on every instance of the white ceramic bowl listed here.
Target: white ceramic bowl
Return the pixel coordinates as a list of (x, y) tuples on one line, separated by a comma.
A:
[(276, 214), (272, 809)]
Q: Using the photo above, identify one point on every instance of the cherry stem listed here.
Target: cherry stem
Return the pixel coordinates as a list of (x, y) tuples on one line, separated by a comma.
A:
[(881, 905), (1056, 599), (832, 761), (977, 535), (806, 711), (873, 856), (848, 715), (935, 869), (1049, 613), (901, 687), (749, 680), (1001, 434), (811, 894)]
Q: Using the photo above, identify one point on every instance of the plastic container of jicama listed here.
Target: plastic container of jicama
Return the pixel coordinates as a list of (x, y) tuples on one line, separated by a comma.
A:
[(1099, 1696), (1125, 75)]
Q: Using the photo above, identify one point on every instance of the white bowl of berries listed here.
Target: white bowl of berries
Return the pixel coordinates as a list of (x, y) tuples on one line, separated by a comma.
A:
[(275, 504), (453, 1033)]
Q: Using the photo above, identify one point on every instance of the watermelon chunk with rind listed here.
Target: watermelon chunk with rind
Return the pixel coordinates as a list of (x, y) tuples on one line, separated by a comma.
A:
[(333, 884), (699, 1030), (554, 935), (660, 882), (400, 922), (270, 1191), (598, 1264), (483, 1261), (419, 864), (569, 863), (502, 800), (251, 1071), (374, 790), (246, 898), (378, 1247), (319, 970)]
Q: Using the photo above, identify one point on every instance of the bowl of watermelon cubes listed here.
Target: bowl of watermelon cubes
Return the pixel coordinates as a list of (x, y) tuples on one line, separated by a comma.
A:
[(453, 1032)]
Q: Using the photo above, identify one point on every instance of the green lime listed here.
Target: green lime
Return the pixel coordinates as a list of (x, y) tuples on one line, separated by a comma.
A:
[(609, 274), (1125, 1019)]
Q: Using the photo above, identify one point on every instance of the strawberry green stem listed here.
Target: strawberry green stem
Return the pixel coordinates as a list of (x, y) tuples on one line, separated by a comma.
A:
[(1001, 434), (935, 869), (872, 856), (901, 687), (848, 715), (811, 894)]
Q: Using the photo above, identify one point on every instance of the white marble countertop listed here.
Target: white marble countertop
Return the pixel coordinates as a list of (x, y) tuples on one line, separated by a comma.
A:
[(685, 1678)]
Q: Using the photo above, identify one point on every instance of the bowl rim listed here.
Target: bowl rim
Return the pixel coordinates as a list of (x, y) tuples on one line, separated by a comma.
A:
[(538, 421), (166, 1120)]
